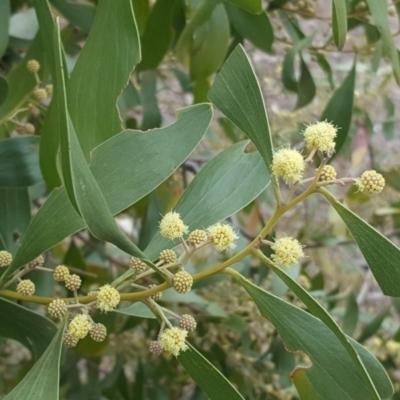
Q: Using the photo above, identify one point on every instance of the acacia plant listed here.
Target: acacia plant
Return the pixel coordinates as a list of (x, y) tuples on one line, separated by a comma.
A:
[(74, 281)]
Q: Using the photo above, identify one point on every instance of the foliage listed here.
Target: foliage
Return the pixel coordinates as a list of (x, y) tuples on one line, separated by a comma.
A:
[(154, 243)]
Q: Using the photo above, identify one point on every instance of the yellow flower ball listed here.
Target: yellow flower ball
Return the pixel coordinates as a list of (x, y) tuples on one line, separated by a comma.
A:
[(320, 136), (79, 326), (287, 251), (171, 226), (222, 236), (107, 298), (289, 165), (173, 340), (370, 182)]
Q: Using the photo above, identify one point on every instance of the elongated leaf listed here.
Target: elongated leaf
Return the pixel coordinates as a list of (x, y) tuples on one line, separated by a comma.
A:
[(255, 28), (350, 317), (380, 16), (332, 375), (50, 132), (80, 184), (151, 112), (22, 325), (127, 168), (252, 6), (371, 328), (339, 109), (157, 37), (42, 381), (210, 380), (3, 90), (103, 69), (237, 94), (19, 162), (339, 22), (210, 45), (381, 254), (15, 214), (4, 22), (306, 86), (324, 316), (138, 309), (81, 15), (224, 186)]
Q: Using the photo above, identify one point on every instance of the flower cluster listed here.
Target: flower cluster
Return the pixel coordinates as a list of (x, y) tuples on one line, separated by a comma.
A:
[(183, 282), (222, 236), (287, 251), (289, 165), (107, 298), (173, 340), (5, 258), (320, 136), (172, 227), (370, 182)]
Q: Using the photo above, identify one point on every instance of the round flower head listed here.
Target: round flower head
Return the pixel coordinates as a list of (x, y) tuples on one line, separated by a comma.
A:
[(370, 182), (69, 340), (328, 173), (171, 226), (173, 340), (137, 264), (37, 262), (155, 348), (27, 129), (188, 323), (73, 282), (40, 93), (183, 282), (289, 165), (168, 256), (197, 237), (5, 258), (98, 332), (57, 308), (320, 136), (222, 236), (33, 66), (288, 251), (79, 326), (61, 273), (107, 298), (49, 90), (26, 287)]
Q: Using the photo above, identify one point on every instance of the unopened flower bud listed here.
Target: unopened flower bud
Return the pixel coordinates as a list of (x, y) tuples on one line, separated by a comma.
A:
[(57, 308), (183, 282), (155, 348), (26, 129), (5, 258), (40, 93), (61, 273), (188, 323), (168, 256), (69, 340), (98, 332), (328, 173), (49, 90), (26, 287), (137, 264), (370, 182), (197, 237), (33, 66), (34, 110), (73, 282), (155, 296), (37, 262)]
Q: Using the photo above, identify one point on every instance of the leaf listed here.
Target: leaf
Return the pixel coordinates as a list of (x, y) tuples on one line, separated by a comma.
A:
[(25, 326), (19, 162), (101, 72), (4, 22), (380, 16), (155, 155), (42, 381), (255, 28), (225, 185), (237, 94), (318, 311), (388, 126), (15, 214), (371, 328), (381, 254), (151, 112), (332, 375), (157, 37), (80, 15), (50, 132), (339, 22), (350, 317), (3, 90), (252, 6), (210, 45), (339, 109), (137, 309), (210, 380), (306, 86)]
